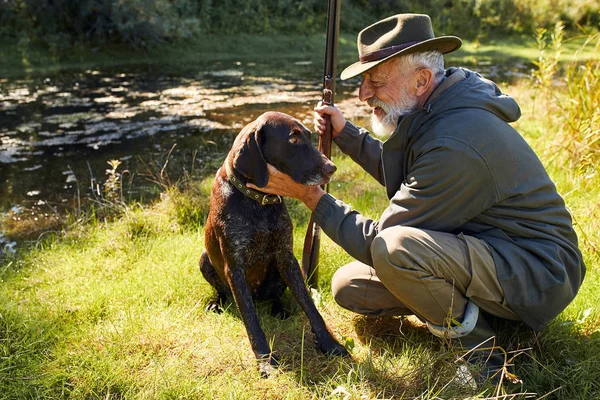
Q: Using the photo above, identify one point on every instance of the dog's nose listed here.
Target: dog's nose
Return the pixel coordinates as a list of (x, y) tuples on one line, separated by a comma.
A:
[(329, 168)]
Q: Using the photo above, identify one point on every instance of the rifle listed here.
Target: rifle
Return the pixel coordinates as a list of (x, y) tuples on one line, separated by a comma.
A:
[(312, 240)]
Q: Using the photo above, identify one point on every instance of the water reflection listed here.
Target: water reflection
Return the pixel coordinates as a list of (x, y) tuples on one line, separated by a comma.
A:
[(51, 128)]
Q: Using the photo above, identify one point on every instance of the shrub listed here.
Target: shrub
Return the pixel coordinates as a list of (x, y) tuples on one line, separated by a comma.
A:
[(59, 24)]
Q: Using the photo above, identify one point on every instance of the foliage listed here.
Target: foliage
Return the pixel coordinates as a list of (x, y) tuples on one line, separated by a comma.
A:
[(547, 65), (469, 19), (573, 13), (58, 25), (113, 186)]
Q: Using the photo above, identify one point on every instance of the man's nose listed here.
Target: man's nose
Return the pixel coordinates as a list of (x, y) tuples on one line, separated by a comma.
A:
[(365, 91)]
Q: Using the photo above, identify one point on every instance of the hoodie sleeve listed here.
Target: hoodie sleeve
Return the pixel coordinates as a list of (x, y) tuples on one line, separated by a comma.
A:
[(346, 227), (448, 185), (364, 149)]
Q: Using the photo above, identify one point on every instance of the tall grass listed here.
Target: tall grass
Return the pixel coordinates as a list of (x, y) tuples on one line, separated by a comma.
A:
[(565, 126), (581, 114), (574, 112)]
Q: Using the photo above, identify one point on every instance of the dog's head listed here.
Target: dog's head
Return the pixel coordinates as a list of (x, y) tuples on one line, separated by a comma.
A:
[(282, 141)]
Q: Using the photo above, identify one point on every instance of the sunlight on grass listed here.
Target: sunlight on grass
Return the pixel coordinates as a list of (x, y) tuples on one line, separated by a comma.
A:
[(120, 312), (116, 309)]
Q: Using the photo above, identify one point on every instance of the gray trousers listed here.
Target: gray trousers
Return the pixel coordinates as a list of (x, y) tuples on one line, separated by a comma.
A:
[(427, 273)]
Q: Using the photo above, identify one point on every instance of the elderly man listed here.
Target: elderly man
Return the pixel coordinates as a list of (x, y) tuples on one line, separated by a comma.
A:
[(474, 226)]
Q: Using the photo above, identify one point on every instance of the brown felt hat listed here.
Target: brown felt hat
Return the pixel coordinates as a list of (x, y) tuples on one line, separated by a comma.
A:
[(395, 35)]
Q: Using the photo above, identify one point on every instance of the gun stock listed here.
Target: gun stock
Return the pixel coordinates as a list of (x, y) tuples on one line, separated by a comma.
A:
[(312, 240)]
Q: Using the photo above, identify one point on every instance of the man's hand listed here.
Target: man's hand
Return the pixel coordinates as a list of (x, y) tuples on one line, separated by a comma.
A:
[(284, 185), (337, 119)]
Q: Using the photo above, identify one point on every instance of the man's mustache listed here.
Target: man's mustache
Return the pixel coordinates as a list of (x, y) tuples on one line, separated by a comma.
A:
[(375, 102)]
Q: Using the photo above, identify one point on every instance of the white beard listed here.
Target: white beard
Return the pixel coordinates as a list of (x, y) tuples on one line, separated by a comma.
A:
[(393, 112), (381, 128)]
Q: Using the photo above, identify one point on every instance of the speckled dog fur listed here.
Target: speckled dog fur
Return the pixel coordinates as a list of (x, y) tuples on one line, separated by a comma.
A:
[(248, 245)]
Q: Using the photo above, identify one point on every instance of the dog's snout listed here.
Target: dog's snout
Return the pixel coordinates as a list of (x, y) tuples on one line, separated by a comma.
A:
[(329, 168)]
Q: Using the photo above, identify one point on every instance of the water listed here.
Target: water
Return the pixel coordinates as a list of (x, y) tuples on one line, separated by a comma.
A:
[(57, 132)]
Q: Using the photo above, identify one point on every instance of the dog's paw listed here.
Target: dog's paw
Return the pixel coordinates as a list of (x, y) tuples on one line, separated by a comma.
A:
[(214, 306), (278, 311), (334, 350), (267, 365), (265, 369)]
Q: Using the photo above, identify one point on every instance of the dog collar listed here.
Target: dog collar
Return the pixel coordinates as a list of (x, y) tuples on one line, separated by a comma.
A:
[(262, 198)]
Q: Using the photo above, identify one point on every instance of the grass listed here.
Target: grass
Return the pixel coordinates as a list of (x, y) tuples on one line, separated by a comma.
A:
[(17, 61), (118, 312), (115, 310)]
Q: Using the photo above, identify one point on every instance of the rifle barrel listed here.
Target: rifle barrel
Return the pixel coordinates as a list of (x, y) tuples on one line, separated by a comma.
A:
[(312, 240)]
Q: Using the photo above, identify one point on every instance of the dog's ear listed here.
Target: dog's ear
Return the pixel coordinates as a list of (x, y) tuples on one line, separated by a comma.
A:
[(248, 157)]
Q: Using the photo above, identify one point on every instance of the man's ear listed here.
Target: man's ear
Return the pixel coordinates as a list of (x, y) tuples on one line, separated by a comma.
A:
[(423, 79), (248, 158)]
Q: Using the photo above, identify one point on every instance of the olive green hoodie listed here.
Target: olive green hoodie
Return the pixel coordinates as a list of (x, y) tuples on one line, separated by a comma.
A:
[(457, 166)]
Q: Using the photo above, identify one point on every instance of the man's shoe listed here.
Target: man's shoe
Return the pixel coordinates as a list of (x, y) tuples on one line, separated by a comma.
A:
[(486, 360)]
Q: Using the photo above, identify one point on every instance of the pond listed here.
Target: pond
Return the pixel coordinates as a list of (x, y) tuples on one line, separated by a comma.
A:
[(58, 131)]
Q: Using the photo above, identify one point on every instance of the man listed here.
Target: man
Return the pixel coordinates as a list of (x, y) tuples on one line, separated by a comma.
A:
[(474, 227)]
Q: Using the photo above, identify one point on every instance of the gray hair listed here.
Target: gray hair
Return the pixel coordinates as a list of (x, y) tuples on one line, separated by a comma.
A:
[(432, 60)]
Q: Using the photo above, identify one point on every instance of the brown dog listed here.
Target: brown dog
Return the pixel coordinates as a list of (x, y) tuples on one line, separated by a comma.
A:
[(248, 234)]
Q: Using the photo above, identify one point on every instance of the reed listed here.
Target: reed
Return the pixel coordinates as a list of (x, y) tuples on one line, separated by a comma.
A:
[(570, 100)]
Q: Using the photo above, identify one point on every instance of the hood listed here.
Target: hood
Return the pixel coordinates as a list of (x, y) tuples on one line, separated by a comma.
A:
[(472, 91)]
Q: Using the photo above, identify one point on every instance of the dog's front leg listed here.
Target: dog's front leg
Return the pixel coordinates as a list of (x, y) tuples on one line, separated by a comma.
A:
[(243, 299), (290, 271)]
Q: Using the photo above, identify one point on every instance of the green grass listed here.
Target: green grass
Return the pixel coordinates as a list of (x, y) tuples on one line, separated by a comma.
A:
[(18, 61), (518, 47), (115, 310)]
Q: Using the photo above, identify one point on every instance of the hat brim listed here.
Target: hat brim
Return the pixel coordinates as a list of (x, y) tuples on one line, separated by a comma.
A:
[(443, 44)]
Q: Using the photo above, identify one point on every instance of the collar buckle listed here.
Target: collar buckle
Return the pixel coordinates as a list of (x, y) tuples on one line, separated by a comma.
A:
[(271, 199)]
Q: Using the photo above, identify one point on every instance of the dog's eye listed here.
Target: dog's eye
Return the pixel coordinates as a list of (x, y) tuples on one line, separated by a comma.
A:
[(294, 139)]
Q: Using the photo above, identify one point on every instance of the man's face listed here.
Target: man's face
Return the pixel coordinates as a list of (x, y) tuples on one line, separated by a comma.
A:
[(386, 88)]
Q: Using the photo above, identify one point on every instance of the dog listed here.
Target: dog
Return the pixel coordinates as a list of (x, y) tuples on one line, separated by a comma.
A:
[(248, 234)]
